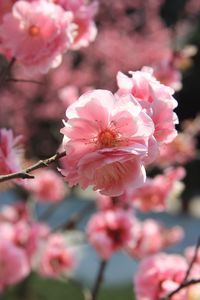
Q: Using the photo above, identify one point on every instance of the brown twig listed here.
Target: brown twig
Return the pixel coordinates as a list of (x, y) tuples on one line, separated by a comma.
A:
[(99, 279), (182, 286), (192, 260), (40, 164), (185, 283)]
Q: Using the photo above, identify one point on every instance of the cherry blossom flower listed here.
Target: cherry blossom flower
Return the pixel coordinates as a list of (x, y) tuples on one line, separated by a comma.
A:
[(160, 274), (155, 98), (153, 195), (167, 74), (181, 150), (29, 236), (47, 186), (56, 258), (14, 213), (152, 237), (14, 264), (106, 140), (37, 34), (83, 15), (110, 231)]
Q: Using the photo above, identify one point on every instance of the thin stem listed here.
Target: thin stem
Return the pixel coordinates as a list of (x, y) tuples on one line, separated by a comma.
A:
[(40, 164), (182, 286), (185, 283), (99, 279), (192, 260)]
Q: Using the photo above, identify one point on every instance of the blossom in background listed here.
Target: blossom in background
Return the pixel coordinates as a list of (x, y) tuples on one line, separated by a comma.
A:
[(159, 275), (154, 194), (37, 34), (110, 231), (47, 186), (10, 152), (83, 15), (155, 98), (14, 264), (14, 213), (68, 95), (29, 236), (151, 238), (106, 139), (56, 259), (167, 74), (181, 150)]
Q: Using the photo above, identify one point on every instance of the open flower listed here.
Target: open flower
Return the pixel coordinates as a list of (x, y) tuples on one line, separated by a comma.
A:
[(37, 34), (155, 98), (56, 258), (110, 231), (83, 15), (106, 139), (159, 275), (14, 264)]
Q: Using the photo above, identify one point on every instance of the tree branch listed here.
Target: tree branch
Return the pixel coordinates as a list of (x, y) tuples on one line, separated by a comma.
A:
[(185, 283), (99, 279), (40, 164), (182, 286)]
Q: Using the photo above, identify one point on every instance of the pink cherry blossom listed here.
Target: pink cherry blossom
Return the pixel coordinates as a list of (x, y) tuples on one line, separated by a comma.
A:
[(37, 34), (152, 237), (14, 264), (56, 258), (167, 74), (153, 195), (14, 213), (83, 15), (160, 274), (110, 231), (68, 95), (28, 236), (106, 139), (10, 152), (47, 186), (155, 98), (181, 150)]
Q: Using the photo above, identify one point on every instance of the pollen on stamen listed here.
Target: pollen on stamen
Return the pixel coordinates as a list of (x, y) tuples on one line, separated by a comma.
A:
[(107, 138), (34, 30)]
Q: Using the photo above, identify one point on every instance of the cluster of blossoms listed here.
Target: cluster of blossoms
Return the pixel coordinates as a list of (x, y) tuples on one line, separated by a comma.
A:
[(109, 138), (29, 245), (160, 274), (37, 33), (113, 230)]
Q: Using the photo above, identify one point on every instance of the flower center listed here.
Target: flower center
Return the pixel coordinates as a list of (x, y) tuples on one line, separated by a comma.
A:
[(107, 138), (34, 30)]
